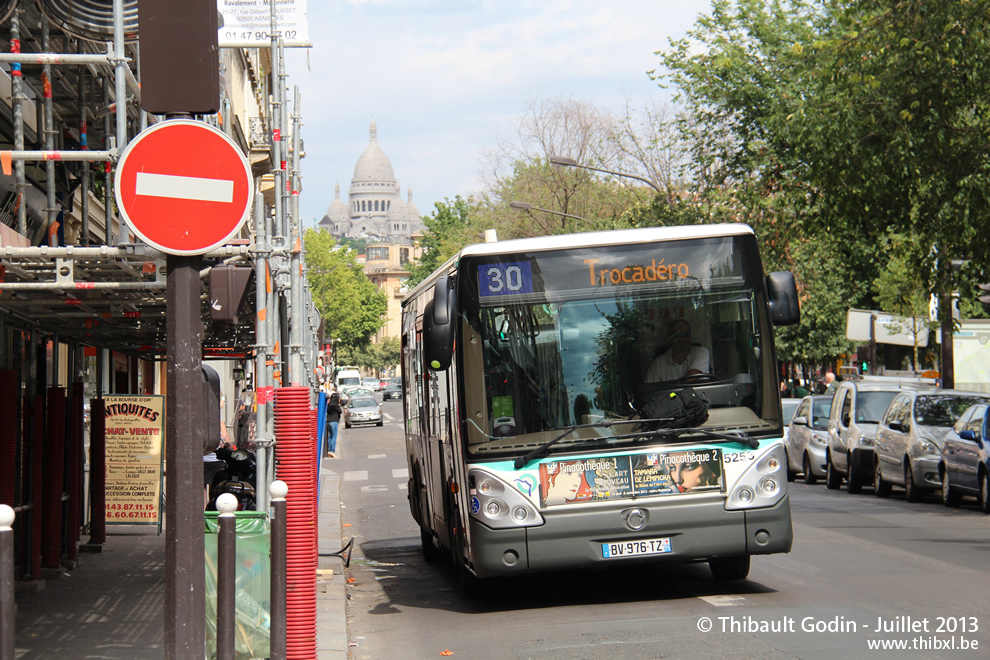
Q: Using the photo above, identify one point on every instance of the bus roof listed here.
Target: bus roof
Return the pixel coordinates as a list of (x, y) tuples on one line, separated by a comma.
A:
[(587, 239)]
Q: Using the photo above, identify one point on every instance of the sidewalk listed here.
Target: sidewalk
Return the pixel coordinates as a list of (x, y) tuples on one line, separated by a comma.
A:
[(112, 606)]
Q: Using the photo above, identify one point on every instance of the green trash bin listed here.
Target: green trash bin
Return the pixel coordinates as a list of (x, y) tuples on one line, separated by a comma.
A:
[(252, 576)]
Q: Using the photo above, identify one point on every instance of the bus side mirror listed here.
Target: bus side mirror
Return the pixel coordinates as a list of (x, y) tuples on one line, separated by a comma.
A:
[(782, 291), (439, 325)]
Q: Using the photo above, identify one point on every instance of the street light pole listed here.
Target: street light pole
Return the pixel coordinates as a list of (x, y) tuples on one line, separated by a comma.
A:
[(570, 162), (526, 206)]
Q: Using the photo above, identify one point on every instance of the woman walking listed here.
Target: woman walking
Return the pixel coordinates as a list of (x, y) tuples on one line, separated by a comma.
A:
[(334, 411)]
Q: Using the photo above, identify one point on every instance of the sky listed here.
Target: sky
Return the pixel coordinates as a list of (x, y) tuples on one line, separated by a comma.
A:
[(445, 79)]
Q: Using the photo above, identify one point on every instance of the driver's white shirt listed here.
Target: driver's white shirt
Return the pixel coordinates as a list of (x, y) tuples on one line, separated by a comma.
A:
[(664, 368)]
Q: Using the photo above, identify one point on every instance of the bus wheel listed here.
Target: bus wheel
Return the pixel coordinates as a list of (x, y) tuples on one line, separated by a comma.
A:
[(729, 568), (431, 552)]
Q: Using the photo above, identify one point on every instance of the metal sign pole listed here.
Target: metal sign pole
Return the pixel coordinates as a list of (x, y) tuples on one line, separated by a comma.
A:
[(185, 588)]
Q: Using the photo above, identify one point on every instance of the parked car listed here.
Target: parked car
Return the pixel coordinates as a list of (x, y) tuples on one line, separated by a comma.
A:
[(965, 459), (392, 391), (808, 436), (362, 409), (857, 407), (909, 439), (348, 393), (370, 383)]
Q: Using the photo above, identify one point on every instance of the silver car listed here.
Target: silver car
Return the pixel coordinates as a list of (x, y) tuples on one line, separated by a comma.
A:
[(857, 407), (807, 439), (362, 410), (910, 436)]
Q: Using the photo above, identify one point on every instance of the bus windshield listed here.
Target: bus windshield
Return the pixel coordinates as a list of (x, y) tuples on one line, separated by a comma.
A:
[(597, 340)]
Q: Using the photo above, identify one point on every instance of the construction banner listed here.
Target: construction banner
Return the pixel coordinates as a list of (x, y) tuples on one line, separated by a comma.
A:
[(135, 433), (248, 23)]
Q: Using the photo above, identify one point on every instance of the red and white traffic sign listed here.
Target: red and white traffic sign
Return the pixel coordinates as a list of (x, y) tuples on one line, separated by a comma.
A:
[(184, 187)]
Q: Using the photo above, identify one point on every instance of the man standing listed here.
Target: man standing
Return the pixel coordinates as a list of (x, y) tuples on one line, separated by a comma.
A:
[(682, 359)]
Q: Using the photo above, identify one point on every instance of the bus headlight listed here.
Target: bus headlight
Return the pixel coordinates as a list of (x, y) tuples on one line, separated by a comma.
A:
[(762, 484), (499, 505)]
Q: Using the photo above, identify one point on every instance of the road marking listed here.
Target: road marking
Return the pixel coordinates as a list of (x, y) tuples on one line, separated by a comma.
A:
[(377, 455), (374, 489), (356, 475), (184, 187), (400, 473), (403, 485), (723, 601)]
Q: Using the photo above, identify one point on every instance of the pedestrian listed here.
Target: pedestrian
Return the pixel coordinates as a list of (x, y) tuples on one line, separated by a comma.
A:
[(829, 382), (211, 464), (334, 411), (799, 391)]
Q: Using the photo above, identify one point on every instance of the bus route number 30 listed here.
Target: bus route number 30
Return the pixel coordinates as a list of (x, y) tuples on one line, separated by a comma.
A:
[(503, 279)]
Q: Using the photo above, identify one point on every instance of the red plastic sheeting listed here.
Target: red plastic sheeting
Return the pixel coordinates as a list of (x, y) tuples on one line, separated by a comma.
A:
[(295, 435)]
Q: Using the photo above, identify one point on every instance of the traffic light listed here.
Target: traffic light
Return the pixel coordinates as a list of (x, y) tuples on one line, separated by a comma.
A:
[(864, 367)]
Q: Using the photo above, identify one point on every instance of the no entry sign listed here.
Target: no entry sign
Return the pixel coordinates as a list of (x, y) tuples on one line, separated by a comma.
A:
[(184, 187)]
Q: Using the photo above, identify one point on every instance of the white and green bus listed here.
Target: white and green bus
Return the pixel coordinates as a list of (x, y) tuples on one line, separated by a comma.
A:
[(544, 432)]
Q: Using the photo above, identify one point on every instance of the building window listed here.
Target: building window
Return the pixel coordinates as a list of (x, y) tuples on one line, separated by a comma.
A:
[(377, 253), (403, 255)]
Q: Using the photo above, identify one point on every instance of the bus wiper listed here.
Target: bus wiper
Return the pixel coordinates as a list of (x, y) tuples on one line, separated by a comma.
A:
[(543, 449), (741, 438)]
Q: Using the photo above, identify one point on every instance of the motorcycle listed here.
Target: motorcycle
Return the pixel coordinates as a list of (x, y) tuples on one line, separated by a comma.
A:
[(238, 478)]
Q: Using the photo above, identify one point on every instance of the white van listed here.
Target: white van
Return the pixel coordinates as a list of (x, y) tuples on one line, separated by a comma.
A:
[(348, 378)]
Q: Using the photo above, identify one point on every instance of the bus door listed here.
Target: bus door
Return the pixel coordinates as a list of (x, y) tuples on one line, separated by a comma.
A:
[(434, 444)]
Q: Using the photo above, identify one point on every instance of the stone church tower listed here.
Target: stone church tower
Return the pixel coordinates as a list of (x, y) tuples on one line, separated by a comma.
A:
[(374, 208)]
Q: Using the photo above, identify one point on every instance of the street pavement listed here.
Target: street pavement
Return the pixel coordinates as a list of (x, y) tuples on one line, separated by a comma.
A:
[(111, 606)]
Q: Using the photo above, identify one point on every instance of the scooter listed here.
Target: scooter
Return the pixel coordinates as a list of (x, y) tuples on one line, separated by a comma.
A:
[(238, 479)]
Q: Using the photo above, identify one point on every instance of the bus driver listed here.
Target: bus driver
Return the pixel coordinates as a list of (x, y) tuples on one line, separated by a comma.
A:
[(682, 359)]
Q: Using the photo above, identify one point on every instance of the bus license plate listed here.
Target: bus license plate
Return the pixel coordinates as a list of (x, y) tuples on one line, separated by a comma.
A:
[(635, 548)]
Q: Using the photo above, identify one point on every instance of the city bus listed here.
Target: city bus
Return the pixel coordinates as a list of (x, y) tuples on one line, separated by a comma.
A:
[(536, 438)]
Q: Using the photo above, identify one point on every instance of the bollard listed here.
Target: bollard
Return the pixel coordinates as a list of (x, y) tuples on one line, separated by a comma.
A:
[(278, 490), (226, 575), (6, 583)]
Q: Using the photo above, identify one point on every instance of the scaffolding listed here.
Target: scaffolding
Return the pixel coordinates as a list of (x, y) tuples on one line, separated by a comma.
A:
[(71, 273)]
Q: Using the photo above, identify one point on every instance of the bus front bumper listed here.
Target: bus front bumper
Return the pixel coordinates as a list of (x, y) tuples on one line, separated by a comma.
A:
[(697, 531)]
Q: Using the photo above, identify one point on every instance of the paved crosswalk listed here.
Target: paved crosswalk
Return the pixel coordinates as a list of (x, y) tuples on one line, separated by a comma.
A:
[(400, 476)]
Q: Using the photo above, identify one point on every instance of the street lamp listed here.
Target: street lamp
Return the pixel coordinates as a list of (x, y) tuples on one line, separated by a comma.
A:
[(570, 162)]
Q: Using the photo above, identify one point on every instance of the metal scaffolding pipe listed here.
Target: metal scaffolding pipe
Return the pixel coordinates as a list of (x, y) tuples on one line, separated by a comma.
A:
[(17, 92), (48, 131), (261, 377), (55, 58), (120, 78), (53, 155)]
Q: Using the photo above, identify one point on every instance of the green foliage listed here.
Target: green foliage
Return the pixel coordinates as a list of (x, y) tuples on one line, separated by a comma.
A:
[(831, 125), (352, 308), (358, 245), (377, 357), (447, 231)]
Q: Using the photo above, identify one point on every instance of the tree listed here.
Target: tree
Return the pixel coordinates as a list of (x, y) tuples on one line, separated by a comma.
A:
[(377, 357), (352, 308), (447, 231), (831, 122)]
